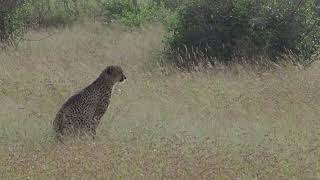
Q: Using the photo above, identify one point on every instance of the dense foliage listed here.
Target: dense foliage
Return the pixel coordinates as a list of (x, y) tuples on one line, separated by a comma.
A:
[(16, 16), (12, 19), (245, 28), (132, 13), (199, 29)]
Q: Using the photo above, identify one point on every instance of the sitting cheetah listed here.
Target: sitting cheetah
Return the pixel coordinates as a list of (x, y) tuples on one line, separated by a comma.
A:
[(82, 112)]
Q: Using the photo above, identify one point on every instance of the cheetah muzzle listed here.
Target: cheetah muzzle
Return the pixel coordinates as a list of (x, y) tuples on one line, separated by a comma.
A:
[(82, 112)]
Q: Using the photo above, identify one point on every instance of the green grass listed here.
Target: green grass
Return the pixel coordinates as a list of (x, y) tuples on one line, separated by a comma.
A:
[(226, 123)]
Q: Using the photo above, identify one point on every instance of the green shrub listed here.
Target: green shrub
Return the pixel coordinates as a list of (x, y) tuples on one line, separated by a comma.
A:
[(115, 9), (18, 16), (220, 30), (170, 4), (13, 18), (132, 14), (146, 14), (48, 13)]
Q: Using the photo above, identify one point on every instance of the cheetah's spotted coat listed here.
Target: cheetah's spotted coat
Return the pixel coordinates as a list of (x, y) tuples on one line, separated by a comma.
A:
[(82, 112)]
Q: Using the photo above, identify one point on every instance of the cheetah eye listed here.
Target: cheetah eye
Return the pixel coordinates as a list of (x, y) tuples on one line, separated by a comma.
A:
[(109, 71)]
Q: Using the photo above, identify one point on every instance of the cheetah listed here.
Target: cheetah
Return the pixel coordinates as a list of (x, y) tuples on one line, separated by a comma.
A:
[(82, 112)]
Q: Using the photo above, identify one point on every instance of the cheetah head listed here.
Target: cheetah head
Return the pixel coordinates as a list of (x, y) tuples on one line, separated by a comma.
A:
[(115, 74)]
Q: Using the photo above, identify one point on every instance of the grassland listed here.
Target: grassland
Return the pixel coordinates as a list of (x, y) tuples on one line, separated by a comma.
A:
[(223, 123)]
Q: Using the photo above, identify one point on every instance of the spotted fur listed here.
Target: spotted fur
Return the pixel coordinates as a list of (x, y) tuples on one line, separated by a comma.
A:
[(82, 112)]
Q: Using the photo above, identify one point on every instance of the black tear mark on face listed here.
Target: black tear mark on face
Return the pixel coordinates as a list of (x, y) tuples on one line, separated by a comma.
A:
[(123, 78)]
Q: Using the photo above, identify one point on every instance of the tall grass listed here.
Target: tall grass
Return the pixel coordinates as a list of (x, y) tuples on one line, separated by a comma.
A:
[(225, 123)]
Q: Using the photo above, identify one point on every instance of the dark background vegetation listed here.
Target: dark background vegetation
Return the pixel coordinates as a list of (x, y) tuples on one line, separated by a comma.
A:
[(200, 31)]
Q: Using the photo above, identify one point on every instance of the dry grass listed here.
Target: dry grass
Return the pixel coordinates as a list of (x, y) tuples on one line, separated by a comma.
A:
[(231, 124)]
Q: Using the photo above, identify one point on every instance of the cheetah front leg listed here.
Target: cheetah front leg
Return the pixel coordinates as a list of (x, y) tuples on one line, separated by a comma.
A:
[(100, 111)]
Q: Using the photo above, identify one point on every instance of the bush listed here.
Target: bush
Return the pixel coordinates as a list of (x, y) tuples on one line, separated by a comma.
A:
[(131, 14), (55, 13), (17, 16), (170, 4), (13, 15), (223, 29), (117, 8)]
